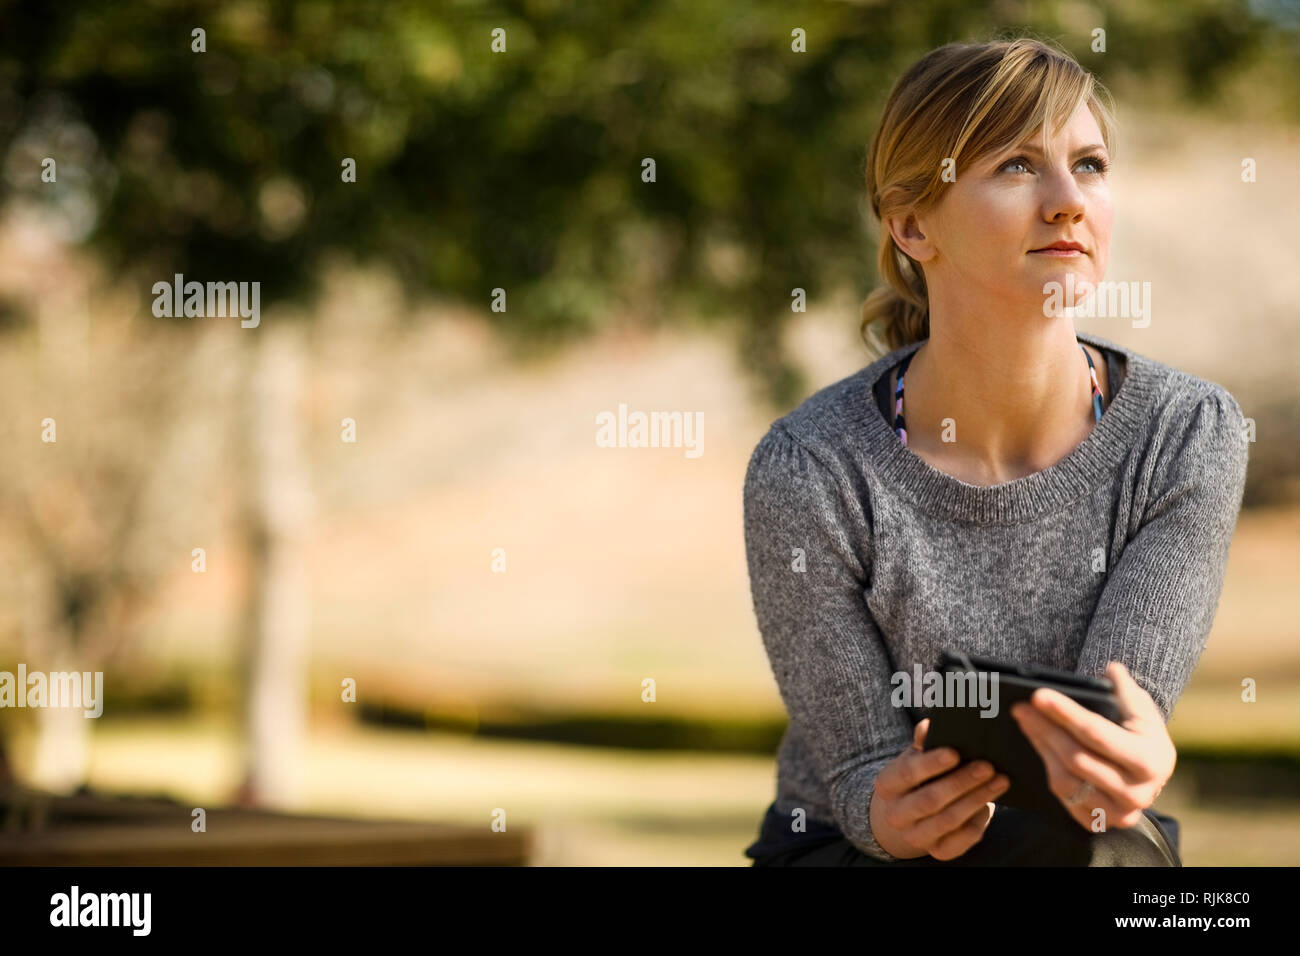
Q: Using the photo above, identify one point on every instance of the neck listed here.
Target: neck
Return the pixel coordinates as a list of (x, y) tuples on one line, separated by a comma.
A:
[(1019, 402)]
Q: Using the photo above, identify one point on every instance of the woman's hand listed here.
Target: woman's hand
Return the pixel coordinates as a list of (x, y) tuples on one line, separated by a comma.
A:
[(919, 807), (1126, 764)]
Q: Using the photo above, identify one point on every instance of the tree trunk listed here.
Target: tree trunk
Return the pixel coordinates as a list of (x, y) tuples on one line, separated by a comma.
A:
[(278, 612), (62, 748)]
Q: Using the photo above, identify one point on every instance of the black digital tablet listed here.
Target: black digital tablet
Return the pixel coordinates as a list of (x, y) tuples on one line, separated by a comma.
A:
[(966, 722)]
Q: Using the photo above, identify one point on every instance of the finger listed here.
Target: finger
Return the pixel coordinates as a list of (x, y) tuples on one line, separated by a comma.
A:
[(1134, 701), (952, 817), (932, 798), (1055, 772), (1082, 764), (959, 841), (1085, 811), (1099, 734), (922, 767), (1063, 785), (899, 776)]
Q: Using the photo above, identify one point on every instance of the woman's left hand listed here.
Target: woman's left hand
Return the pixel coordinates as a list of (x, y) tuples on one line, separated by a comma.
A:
[(1127, 764)]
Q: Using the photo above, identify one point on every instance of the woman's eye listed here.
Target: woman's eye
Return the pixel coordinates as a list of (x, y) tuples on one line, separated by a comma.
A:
[(1097, 161), (1100, 165)]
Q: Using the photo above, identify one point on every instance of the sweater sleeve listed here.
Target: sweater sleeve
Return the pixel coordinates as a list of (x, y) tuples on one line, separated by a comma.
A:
[(1155, 611), (808, 550)]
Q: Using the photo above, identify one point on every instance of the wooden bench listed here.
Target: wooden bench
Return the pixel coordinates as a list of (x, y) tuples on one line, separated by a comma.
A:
[(91, 829)]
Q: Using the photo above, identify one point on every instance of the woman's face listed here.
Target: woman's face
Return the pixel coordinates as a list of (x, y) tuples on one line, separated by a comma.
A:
[(980, 241)]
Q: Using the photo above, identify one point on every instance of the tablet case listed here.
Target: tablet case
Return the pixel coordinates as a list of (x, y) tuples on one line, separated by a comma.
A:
[(999, 739)]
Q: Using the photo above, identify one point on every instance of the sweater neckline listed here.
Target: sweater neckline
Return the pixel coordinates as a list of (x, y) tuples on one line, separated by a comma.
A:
[(1028, 496)]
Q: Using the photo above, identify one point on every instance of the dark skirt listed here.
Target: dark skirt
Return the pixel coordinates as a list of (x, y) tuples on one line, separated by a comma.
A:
[(1014, 838)]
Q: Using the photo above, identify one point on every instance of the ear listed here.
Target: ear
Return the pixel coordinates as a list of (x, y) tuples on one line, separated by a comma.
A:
[(909, 236)]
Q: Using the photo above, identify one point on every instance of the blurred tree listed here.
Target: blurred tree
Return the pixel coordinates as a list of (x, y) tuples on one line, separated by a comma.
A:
[(91, 484), (519, 169)]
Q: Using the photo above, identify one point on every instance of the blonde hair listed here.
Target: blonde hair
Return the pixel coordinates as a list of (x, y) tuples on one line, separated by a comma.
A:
[(961, 100)]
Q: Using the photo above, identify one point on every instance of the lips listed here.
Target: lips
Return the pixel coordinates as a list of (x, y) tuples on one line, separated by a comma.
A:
[(1060, 247)]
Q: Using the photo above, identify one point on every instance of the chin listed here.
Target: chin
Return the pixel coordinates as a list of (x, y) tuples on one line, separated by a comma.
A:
[(1065, 287)]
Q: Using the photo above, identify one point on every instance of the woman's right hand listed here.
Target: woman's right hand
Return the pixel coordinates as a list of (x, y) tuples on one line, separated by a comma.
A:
[(924, 803)]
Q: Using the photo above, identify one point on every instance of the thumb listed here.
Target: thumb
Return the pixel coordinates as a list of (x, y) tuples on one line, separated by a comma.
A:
[(1133, 700), (918, 735)]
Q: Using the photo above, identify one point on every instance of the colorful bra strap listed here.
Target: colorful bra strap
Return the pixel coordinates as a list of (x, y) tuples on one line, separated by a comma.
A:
[(900, 426)]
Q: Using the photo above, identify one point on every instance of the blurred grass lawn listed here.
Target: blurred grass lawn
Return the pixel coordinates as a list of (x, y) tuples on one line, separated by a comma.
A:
[(587, 806)]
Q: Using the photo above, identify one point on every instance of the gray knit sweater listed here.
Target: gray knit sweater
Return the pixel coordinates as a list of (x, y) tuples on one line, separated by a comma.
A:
[(864, 560)]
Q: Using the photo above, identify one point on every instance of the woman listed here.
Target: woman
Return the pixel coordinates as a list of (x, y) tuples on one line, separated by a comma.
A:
[(1048, 497)]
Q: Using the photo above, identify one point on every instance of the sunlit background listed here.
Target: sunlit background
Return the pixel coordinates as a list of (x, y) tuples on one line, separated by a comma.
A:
[(367, 560)]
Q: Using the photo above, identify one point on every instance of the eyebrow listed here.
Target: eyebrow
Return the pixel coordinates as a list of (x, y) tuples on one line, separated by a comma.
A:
[(1093, 147)]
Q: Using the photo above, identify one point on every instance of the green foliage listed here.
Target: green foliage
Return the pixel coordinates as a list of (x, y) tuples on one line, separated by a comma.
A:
[(522, 169)]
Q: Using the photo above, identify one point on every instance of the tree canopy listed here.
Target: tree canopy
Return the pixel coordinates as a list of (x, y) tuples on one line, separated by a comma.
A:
[(505, 144)]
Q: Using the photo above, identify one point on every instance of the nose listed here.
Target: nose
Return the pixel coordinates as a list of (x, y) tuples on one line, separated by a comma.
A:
[(1064, 201)]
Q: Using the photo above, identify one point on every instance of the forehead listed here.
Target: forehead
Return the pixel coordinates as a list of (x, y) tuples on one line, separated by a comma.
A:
[(1081, 127)]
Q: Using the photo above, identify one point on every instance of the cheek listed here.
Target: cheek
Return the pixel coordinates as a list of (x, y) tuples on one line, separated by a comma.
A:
[(1103, 217), (1102, 213), (992, 223), (1001, 213)]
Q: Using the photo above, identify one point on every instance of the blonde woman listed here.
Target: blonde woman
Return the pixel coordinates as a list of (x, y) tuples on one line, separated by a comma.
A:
[(999, 483)]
